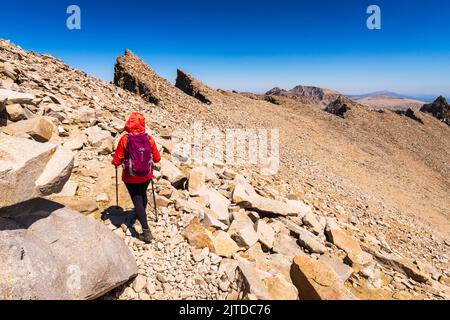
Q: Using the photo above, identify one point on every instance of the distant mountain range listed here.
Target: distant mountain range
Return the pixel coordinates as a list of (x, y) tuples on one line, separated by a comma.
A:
[(390, 94)]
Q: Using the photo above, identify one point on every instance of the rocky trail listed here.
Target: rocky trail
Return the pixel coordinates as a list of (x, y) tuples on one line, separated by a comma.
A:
[(316, 230)]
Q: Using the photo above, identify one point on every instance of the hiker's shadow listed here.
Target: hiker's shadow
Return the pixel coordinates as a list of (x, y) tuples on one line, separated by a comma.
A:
[(118, 217)]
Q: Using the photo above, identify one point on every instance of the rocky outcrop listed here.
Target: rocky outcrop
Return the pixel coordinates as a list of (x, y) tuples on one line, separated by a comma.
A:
[(191, 86), (132, 74), (49, 252), (30, 169), (410, 114), (340, 106), (440, 109), (306, 94)]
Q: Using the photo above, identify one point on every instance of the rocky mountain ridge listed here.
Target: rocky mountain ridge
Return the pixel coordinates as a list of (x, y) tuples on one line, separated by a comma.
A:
[(224, 231)]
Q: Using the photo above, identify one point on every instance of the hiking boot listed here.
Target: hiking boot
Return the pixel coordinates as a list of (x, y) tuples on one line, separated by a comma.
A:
[(147, 236)]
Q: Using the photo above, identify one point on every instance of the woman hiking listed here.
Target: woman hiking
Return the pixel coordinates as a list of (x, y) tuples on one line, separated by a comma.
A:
[(137, 152)]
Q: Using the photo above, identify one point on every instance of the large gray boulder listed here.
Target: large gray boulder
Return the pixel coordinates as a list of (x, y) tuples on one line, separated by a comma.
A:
[(30, 169), (51, 252)]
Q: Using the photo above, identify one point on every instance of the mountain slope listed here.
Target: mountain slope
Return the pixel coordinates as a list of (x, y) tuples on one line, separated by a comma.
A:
[(383, 177)]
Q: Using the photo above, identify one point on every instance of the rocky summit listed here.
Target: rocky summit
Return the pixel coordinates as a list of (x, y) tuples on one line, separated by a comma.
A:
[(357, 210), (440, 109)]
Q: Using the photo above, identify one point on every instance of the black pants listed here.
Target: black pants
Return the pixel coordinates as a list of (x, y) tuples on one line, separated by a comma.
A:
[(138, 194)]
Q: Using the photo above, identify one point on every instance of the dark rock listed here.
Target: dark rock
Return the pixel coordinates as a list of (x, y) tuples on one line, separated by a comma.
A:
[(440, 109), (410, 114), (339, 106), (189, 85)]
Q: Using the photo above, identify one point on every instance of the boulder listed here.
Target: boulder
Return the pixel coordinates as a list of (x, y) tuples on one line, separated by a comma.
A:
[(14, 97), (264, 285), (172, 173), (8, 71), (55, 174), (39, 128), (210, 219), (316, 280), (49, 252), (266, 234), (198, 236), (224, 246), (245, 196), (310, 242), (228, 267), (342, 270), (197, 178), (69, 189), (242, 230), (76, 142), (355, 255), (97, 136), (404, 266), (217, 203), (311, 221), (287, 246), (15, 112), (29, 169), (86, 115)]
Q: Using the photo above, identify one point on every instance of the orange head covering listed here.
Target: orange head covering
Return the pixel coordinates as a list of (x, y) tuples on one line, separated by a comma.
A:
[(135, 124)]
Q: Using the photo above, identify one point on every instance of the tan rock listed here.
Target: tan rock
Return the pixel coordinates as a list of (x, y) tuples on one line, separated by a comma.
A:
[(15, 112), (97, 136), (265, 286), (217, 203), (14, 97), (76, 143), (23, 162), (404, 266), (311, 221), (286, 245), (198, 236), (197, 177), (266, 234), (57, 171), (245, 196), (342, 270), (172, 173), (316, 280), (39, 128), (224, 246), (357, 257)]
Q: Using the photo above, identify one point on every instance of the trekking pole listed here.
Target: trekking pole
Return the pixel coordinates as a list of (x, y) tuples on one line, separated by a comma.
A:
[(117, 181), (154, 201), (117, 190)]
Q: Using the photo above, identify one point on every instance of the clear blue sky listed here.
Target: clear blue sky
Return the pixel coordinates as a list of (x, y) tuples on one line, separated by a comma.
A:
[(250, 45)]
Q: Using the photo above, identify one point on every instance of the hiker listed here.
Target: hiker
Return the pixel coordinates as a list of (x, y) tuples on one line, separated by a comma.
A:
[(137, 152)]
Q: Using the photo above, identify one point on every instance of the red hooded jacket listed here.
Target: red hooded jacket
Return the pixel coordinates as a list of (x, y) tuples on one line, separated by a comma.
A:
[(135, 125)]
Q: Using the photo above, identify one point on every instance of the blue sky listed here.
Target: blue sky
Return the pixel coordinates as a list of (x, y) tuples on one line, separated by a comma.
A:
[(250, 45)]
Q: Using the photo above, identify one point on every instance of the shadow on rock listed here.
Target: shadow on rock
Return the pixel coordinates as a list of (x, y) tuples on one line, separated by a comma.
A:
[(25, 214), (118, 217)]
